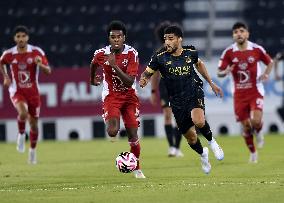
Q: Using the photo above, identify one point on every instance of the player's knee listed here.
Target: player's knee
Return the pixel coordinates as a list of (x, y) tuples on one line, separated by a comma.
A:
[(112, 132), (23, 115), (256, 123), (199, 123)]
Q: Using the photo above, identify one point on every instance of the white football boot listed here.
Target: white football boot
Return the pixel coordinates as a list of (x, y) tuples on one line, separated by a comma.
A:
[(138, 174), (21, 143), (253, 158), (216, 149), (172, 152), (206, 166), (32, 156)]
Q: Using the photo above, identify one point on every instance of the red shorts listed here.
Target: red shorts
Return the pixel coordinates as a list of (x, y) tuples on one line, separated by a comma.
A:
[(33, 103), (127, 106), (244, 106)]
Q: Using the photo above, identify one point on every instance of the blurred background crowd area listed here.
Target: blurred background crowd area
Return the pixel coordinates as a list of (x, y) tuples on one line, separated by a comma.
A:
[(69, 31)]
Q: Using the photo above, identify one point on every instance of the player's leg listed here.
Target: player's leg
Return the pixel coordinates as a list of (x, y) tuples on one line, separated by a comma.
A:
[(34, 111), (169, 130), (22, 109), (33, 121), (198, 118), (112, 126), (242, 112), (196, 145), (256, 119), (111, 115), (130, 116), (257, 123), (248, 136)]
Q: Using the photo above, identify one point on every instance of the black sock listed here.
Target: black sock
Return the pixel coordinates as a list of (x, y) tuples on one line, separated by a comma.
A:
[(169, 133), (197, 147), (178, 137), (206, 131)]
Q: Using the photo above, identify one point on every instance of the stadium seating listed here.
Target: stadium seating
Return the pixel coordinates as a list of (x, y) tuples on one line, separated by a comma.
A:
[(70, 31)]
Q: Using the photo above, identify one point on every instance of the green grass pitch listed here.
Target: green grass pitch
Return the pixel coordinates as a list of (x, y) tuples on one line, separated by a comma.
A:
[(85, 172)]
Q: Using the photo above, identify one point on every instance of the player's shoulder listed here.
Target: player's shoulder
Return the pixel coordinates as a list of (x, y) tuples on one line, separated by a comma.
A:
[(255, 46), (129, 50), (229, 49), (9, 51), (36, 49), (189, 48), (160, 52), (102, 51)]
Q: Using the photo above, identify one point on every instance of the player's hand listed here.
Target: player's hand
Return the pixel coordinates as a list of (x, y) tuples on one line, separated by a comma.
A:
[(154, 98), (38, 60), (143, 82), (229, 69), (96, 81), (217, 90), (111, 60), (263, 78), (7, 81)]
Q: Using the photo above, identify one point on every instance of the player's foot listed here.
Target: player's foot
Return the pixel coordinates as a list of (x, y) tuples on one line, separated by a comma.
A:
[(138, 174), (172, 152), (179, 153), (253, 157), (260, 139), (32, 156), (216, 149), (21, 143), (206, 167)]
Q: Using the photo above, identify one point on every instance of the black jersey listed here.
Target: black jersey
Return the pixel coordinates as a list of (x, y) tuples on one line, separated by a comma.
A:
[(178, 74)]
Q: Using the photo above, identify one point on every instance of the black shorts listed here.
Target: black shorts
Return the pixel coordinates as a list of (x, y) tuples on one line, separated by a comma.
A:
[(164, 96), (182, 113)]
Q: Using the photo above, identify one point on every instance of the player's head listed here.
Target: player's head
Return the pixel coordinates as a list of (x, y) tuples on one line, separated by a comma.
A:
[(173, 38), (240, 32), (21, 36), (116, 34), (160, 29)]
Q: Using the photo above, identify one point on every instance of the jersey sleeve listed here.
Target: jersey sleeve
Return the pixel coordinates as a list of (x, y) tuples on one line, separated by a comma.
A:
[(39, 52), (224, 60), (264, 57), (4, 58), (132, 67), (98, 58), (154, 64)]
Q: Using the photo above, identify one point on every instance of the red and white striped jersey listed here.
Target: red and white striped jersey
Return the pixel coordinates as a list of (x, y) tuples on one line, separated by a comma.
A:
[(23, 69), (247, 67), (127, 61)]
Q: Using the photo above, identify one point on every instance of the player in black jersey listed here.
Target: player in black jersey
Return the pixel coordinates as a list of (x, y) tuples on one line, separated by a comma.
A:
[(177, 65), (158, 86)]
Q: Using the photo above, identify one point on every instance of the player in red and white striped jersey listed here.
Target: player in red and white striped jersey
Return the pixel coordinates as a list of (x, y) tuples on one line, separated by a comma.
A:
[(120, 66), (24, 62), (242, 59)]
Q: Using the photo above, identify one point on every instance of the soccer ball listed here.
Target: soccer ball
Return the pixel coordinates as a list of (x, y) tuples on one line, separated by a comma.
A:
[(126, 162)]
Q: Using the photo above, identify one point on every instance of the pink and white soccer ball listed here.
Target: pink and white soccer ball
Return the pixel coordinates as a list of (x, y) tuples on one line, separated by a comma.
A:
[(126, 162)]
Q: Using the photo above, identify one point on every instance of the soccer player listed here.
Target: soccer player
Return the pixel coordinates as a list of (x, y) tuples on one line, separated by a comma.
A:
[(242, 59), (25, 61), (120, 66), (177, 64), (173, 134)]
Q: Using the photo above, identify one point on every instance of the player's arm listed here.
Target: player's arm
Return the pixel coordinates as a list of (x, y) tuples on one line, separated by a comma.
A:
[(154, 88), (146, 76), (94, 78), (3, 69), (45, 68), (6, 79), (200, 66), (128, 80), (223, 73), (266, 72)]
